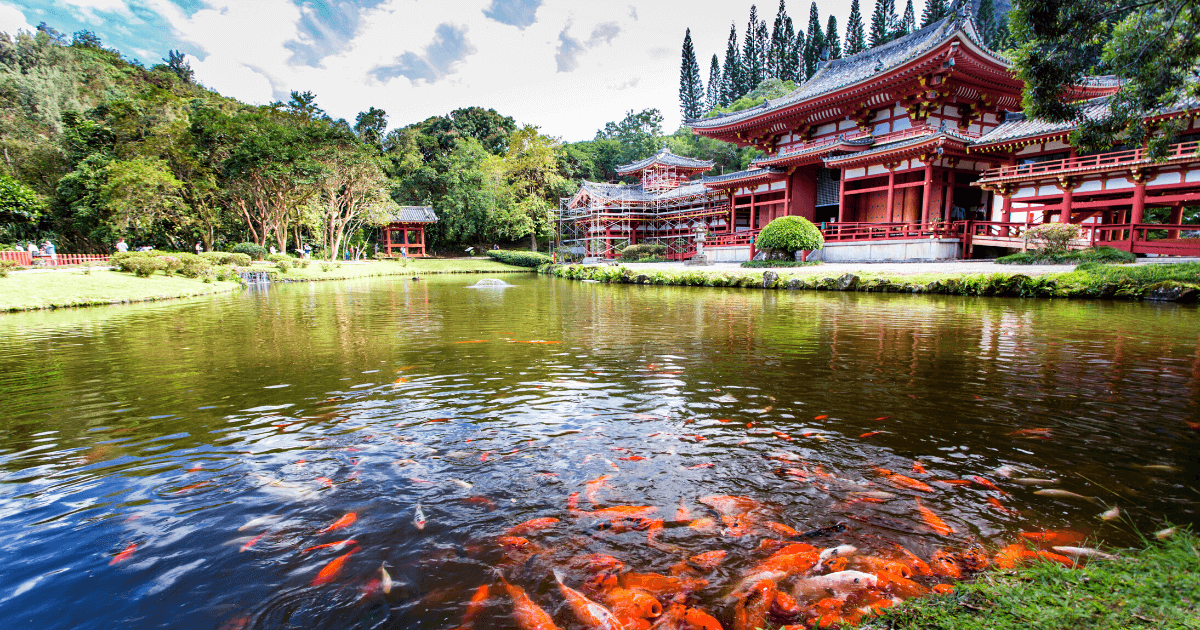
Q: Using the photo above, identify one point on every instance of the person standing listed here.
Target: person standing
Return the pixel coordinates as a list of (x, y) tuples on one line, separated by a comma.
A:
[(122, 246), (199, 248), (49, 247)]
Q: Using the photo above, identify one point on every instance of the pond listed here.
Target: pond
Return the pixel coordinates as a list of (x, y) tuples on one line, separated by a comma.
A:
[(175, 464)]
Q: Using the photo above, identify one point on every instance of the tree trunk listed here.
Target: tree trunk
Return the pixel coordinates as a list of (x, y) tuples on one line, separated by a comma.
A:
[(533, 241)]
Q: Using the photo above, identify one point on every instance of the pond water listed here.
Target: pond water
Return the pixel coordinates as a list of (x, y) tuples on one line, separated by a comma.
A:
[(137, 443)]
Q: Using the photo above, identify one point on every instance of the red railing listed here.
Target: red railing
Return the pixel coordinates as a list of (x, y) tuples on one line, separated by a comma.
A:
[(887, 231), (730, 240), (27, 259), (814, 145), (1102, 160)]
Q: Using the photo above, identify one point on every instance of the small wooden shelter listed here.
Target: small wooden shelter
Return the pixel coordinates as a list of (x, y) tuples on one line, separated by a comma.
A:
[(406, 231)]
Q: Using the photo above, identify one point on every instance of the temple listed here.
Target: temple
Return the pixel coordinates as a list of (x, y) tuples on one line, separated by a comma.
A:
[(915, 149), (406, 231)]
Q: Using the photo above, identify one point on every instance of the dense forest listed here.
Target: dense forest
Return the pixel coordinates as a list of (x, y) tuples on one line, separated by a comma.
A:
[(97, 147)]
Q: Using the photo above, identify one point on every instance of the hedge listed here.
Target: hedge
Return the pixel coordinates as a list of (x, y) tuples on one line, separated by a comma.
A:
[(1102, 254), (256, 252), (531, 260), (789, 235), (642, 251), (227, 258)]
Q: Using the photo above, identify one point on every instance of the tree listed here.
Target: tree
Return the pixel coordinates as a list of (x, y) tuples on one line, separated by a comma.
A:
[(908, 23), (883, 22), (20, 209), (856, 40), (691, 90), (787, 235), (731, 80), (87, 39), (781, 39), (142, 194), (752, 55), (713, 94), (303, 105), (934, 11), (371, 126), (638, 135), (485, 125), (178, 64), (353, 193), (1152, 47), (532, 168), (833, 44), (987, 21), (814, 43)]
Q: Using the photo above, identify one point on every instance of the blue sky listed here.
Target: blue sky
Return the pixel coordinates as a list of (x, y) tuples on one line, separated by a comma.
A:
[(567, 67)]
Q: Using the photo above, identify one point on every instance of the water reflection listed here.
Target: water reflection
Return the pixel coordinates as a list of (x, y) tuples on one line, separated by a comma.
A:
[(171, 426)]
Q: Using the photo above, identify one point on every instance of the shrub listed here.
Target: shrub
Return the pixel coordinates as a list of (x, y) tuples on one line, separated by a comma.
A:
[(752, 264), (227, 258), (7, 266), (283, 266), (143, 266), (1052, 238), (787, 235), (519, 259), (282, 261), (1103, 254), (643, 250), (255, 252), (326, 266)]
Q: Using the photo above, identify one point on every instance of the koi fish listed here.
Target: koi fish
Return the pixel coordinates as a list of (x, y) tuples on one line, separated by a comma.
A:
[(919, 468), (632, 607), (1055, 493), (918, 565), (1112, 514), (475, 606), (633, 458), (462, 484), (904, 482), (528, 615), (1083, 552), (193, 486), (698, 466), (983, 481), (588, 612), (345, 521), (336, 545), (994, 502), (701, 524), (484, 501), (944, 564), (269, 519), (250, 543), (419, 517), (870, 434), (782, 530), (882, 418), (822, 417), (953, 482), (943, 589), (332, 569), (841, 582), (385, 579), (1053, 537), (532, 525), (126, 554), (841, 551), (1035, 432), (708, 560), (934, 521)]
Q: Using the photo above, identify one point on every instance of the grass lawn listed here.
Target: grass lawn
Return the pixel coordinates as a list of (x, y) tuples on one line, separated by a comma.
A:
[(418, 266), (1153, 588), (56, 289)]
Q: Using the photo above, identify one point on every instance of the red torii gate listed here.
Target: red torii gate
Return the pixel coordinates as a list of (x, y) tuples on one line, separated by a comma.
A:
[(408, 220)]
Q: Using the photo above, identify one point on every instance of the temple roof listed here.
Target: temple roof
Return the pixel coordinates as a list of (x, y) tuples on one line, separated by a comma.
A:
[(880, 60), (665, 158), (413, 214), (634, 192), (753, 172), (1017, 127)]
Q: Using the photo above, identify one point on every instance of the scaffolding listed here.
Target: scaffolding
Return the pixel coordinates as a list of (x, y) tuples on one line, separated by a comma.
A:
[(664, 207)]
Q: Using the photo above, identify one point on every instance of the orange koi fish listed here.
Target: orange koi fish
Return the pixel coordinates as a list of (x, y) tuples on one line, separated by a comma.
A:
[(899, 480), (696, 619), (475, 606), (897, 585), (633, 458), (751, 610), (331, 570), (126, 554), (594, 486), (632, 608), (532, 525), (345, 521), (882, 418), (193, 486), (820, 417), (337, 545), (986, 483), (730, 505), (782, 530), (994, 502), (918, 565), (945, 565), (588, 612), (943, 589), (251, 542), (661, 585), (622, 511), (698, 466), (683, 513), (701, 524), (919, 468), (953, 482), (528, 615), (708, 560), (934, 521), (1054, 537), (870, 434)]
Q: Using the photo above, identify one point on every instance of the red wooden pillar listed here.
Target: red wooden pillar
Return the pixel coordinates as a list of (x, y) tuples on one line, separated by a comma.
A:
[(842, 197), (1176, 218), (1064, 215), (928, 198), (1006, 210), (732, 211), (891, 195), (387, 233), (1139, 206), (753, 210)]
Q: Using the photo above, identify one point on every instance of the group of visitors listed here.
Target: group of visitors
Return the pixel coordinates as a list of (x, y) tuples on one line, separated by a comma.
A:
[(45, 251)]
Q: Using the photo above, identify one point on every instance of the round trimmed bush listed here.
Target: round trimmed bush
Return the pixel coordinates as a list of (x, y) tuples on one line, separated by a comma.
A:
[(255, 252), (787, 235)]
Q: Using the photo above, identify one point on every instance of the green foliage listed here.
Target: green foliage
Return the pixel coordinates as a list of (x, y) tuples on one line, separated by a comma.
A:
[(760, 264), (1052, 239), (254, 251), (227, 258), (691, 90), (1101, 254), (643, 250), (519, 259), (7, 266), (282, 261), (787, 235), (768, 89), (856, 39), (144, 264)]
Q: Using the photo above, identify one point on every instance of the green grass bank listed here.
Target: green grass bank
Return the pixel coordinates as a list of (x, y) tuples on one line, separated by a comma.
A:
[(35, 289), (1156, 588), (1179, 282)]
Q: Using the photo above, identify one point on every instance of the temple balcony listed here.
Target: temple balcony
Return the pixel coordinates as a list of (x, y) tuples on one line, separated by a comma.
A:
[(1113, 161)]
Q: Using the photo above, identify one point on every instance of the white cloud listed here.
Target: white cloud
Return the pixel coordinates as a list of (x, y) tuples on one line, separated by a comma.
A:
[(12, 20), (415, 58)]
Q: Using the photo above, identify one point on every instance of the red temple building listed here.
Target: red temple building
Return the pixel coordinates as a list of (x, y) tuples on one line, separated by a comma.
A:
[(910, 150), (405, 233)]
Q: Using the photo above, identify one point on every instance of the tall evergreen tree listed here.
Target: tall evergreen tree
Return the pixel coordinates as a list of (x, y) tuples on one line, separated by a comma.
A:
[(833, 44), (934, 11), (908, 23), (813, 43), (763, 45), (691, 90), (856, 38), (752, 66), (987, 21), (883, 22), (713, 99), (731, 75), (777, 50)]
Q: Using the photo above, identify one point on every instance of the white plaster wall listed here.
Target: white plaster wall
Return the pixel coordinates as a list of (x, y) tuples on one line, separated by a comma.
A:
[(1117, 182), (1192, 176), (934, 121), (1033, 148), (901, 124), (1090, 185), (851, 173), (1048, 190), (1165, 178), (876, 169), (1025, 192), (1057, 145), (778, 185), (824, 129), (847, 124)]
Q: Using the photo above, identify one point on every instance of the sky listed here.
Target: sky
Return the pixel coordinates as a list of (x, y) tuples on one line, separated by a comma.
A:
[(565, 67)]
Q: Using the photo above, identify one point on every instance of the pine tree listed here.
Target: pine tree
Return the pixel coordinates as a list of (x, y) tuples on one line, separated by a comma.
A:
[(934, 11), (813, 43), (777, 51), (987, 21), (752, 69), (762, 45), (908, 23), (731, 76), (797, 56), (714, 84), (883, 22), (833, 44), (856, 39), (691, 90)]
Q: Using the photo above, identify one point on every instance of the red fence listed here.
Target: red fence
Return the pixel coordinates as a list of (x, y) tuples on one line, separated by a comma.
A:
[(1102, 160), (835, 232), (27, 259)]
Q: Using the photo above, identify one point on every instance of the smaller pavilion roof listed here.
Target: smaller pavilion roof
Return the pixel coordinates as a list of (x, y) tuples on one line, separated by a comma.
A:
[(413, 214), (666, 158)]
